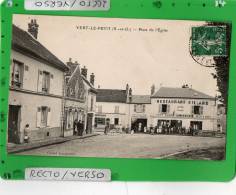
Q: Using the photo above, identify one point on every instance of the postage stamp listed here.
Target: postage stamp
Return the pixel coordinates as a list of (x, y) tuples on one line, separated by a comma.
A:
[(209, 41)]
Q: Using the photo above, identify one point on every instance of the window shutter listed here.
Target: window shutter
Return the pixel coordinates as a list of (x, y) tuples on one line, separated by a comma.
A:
[(49, 117), (168, 109), (38, 117), (201, 110), (143, 108), (40, 80), (160, 106), (192, 110)]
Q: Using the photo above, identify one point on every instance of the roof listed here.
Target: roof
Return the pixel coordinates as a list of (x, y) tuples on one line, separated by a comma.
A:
[(141, 99), (92, 89), (23, 42), (111, 95), (168, 92)]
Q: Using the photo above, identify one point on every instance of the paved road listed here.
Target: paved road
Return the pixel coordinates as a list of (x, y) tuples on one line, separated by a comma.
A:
[(128, 146)]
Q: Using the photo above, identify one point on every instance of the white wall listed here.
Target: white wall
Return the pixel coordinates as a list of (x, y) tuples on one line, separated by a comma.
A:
[(108, 111), (30, 78), (31, 100)]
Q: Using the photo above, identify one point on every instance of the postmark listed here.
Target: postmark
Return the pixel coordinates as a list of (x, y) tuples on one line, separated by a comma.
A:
[(208, 42)]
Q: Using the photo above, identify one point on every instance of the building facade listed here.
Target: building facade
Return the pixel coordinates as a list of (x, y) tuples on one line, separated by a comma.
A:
[(90, 101), (36, 88), (184, 108), (80, 99), (111, 108), (179, 109), (74, 100)]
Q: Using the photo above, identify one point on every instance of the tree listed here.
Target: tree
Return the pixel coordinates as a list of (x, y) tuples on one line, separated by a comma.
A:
[(222, 65)]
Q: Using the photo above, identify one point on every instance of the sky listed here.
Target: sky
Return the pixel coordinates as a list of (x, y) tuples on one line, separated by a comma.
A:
[(158, 56)]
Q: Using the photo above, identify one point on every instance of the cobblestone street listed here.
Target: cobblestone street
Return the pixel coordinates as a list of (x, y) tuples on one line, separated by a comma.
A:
[(129, 146)]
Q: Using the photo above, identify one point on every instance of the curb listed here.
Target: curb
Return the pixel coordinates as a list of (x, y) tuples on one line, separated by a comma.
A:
[(47, 143)]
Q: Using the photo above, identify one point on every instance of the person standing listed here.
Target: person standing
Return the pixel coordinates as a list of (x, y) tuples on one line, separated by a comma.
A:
[(75, 127), (26, 133), (79, 124), (106, 128)]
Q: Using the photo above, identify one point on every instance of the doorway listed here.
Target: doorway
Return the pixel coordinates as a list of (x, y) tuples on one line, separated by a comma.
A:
[(139, 124), (14, 124), (197, 125), (89, 123)]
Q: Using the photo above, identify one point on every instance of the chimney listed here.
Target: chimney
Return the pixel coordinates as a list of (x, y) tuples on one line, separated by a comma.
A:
[(92, 79), (152, 89), (33, 28), (130, 94), (127, 88), (84, 71)]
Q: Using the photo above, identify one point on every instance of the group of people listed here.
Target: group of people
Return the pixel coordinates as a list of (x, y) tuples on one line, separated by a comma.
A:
[(78, 127), (166, 128)]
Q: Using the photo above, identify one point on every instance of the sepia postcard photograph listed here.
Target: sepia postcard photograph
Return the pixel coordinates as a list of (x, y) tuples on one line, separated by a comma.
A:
[(118, 88)]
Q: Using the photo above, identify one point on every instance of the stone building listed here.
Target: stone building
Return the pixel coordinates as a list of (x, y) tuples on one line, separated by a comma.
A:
[(36, 88), (80, 99), (184, 108), (90, 101), (179, 108), (112, 107), (75, 98)]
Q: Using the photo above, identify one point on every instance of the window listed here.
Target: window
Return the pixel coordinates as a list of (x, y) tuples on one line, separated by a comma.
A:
[(100, 121), (17, 74), (139, 108), (99, 109), (46, 82), (44, 116), (197, 110), (117, 109), (164, 108), (116, 121)]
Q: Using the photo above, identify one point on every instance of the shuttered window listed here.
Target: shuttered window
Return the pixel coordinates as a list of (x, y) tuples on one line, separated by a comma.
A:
[(43, 117)]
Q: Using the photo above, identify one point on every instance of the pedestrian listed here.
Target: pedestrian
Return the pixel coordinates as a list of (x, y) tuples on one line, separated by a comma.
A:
[(106, 128), (145, 129), (79, 125), (82, 128), (26, 133), (75, 127)]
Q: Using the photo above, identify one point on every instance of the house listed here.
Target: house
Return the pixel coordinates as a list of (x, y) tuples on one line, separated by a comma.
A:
[(185, 108), (75, 98), (179, 108), (36, 88), (112, 107), (139, 112), (80, 99), (90, 101)]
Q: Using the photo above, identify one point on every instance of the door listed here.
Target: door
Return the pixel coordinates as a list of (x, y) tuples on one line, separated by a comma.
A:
[(197, 125), (14, 124), (89, 123)]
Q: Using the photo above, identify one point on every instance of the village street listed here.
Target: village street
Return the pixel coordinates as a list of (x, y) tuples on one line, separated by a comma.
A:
[(130, 146)]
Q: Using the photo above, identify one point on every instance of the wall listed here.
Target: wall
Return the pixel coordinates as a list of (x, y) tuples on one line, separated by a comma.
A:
[(208, 117), (30, 102), (108, 111), (30, 79)]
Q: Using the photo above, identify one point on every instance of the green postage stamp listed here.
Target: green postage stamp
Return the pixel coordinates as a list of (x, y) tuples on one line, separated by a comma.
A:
[(209, 41)]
